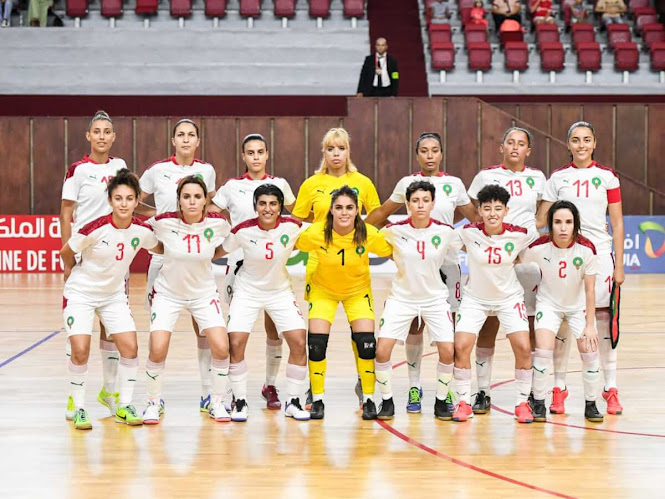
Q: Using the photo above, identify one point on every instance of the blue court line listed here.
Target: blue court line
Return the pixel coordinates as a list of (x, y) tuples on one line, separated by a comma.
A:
[(31, 347)]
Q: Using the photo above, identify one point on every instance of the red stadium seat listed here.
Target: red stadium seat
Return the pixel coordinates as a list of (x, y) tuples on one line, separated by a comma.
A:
[(546, 33), (181, 8), (354, 8), (658, 56), (653, 33), (643, 11), (250, 8), (617, 33), (588, 56), (552, 56), (517, 56), (319, 8), (111, 8), (638, 4), (475, 33), (215, 8), (443, 56), (510, 36), (465, 16), (146, 7), (439, 33), (285, 8), (480, 56), (626, 56), (644, 20), (76, 8), (582, 33)]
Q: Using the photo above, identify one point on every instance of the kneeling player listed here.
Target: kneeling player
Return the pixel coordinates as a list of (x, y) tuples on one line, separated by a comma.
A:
[(420, 245), (567, 262), (492, 247), (96, 285), (263, 283)]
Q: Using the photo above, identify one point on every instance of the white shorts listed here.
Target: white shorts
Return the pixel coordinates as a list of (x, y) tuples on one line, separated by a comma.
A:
[(230, 277), (156, 263), (472, 315), (529, 276), (207, 312), (282, 308), (547, 317), (79, 314), (604, 279), (453, 274), (398, 316)]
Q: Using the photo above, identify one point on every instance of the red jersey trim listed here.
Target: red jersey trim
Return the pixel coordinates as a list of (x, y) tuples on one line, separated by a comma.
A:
[(585, 242), (514, 228), (540, 241), (254, 222), (401, 222), (565, 167), (87, 229), (593, 163), (141, 223), (86, 159), (501, 165), (614, 195), (159, 163), (420, 174), (168, 214), (214, 214)]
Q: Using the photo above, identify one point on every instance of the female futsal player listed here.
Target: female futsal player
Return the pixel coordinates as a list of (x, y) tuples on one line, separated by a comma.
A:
[(451, 197), (263, 283), (186, 282), (525, 186), (161, 180), (342, 244), (420, 244), (595, 190), (567, 261), (96, 286), (236, 196), (84, 199)]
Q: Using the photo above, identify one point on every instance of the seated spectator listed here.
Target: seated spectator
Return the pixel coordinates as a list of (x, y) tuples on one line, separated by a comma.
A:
[(510, 25), (440, 12), (541, 10), (578, 14), (6, 12), (38, 12), (611, 11), (505, 9), (478, 14)]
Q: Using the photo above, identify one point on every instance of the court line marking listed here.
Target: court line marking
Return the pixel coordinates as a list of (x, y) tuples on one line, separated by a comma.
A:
[(28, 349), (459, 462)]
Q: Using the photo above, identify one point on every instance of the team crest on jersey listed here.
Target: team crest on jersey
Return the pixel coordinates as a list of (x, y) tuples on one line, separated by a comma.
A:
[(135, 243), (596, 182), (578, 262), (381, 322), (436, 241), (208, 234), (70, 321), (539, 316), (360, 250), (447, 188), (530, 182), (284, 240), (356, 190), (509, 247)]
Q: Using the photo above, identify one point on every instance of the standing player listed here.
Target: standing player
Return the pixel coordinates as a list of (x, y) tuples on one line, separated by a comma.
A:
[(452, 196), (525, 186), (161, 180), (236, 196), (492, 247), (186, 282), (263, 284), (314, 197), (595, 190), (84, 199), (342, 244), (420, 245), (96, 286), (567, 261)]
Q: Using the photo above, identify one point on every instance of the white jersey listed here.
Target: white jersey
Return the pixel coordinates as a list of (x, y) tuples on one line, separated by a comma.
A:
[(591, 190), (418, 254), (85, 183), (161, 179), (265, 254), (237, 196), (563, 269), (491, 261), (106, 254), (188, 251), (525, 187), (450, 193)]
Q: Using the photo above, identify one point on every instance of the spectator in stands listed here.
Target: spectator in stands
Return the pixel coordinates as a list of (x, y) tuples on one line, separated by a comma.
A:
[(611, 11), (6, 12), (379, 76), (478, 14), (578, 13), (439, 12), (541, 10), (505, 9), (38, 12)]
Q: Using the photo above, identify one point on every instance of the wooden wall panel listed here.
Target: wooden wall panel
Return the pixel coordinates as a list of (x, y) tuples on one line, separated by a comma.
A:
[(462, 133), (77, 144), (601, 116), (494, 124), (656, 154), (152, 141), (538, 116), (50, 164), (634, 197), (658, 205), (563, 115), (123, 147), (511, 109), (360, 125), (220, 147), (317, 127), (15, 185), (394, 145), (427, 117), (289, 150), (631, 140)]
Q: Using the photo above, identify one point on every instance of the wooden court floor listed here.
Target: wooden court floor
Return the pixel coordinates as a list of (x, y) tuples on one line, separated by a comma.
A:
[(189, 455)]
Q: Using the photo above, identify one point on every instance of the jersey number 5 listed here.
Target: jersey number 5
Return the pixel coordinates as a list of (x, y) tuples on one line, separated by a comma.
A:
[(269, 251)]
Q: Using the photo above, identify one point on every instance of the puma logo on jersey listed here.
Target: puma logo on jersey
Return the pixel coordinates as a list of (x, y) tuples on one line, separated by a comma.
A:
[(565, 181), (405, 238), (105, 242), (253, 242), (321, 191), (94, 177), (479, 245), (324, 249), (549, 260), (167, 176), (175, 232)]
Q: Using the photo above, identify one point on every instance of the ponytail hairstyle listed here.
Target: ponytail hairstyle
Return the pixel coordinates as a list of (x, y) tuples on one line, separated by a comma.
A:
[(191, 179), (269, 190), (336, 137), (185, 120), (429, 135), (581, 124), (564, 205), (253, 136), (124, 177), (100, 116), (360, 236)]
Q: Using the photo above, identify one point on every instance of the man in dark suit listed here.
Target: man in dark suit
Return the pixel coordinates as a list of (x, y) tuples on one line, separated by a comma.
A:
[(379, 76)]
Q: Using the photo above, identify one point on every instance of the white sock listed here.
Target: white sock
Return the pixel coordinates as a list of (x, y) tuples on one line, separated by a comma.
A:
[(205, 357), (522, 385), (542, 363), (591, 375), (608, 355), (444, 375), (127, 369), (414, 353), (238, 376), (561, 353), (68, 350), (77, 376), (296, 377), (462, 384), (273, 360), (154, 372), (484, 357), (110, 359), (220, 375), (384, 376)]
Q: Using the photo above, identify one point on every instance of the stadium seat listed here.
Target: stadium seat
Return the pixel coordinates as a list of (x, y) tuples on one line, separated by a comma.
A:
[(443, 56), (319, 8), (644, 20), (76, 8), (146, 7), (643, 11), (516, 56), (285, 8), (588, 56), (181, 8), (215, 8), (111, 8), (617, 33), (638, 4), (464, 7), (510, 36), (552, 56), (658, 56), (653, 33), (439, 33), (354, 8), (546, 33), (626, 56), (250, 8), (480, 56), (475, 33), (582, 33)]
